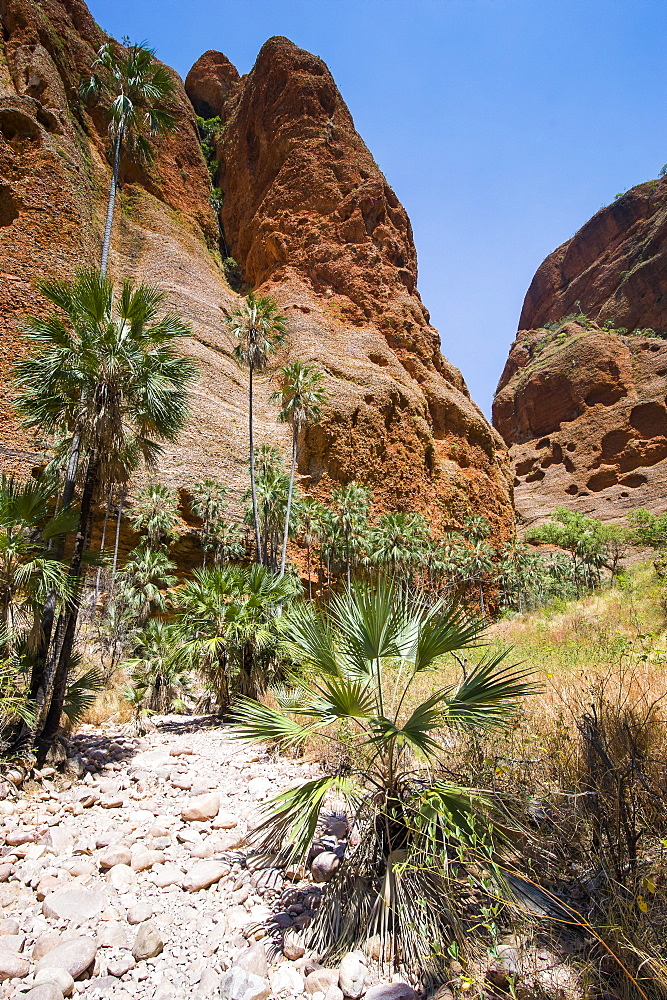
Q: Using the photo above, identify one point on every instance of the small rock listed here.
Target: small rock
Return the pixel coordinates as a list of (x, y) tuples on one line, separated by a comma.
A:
[(334, 993), (391, 991), (320, 980), (74, 904), (5, 872), (139, 912), (112, 934), (237, 984), (205, 873), (121, 965), (46, 991), (122, 877), (12, 965), (224, 821), (287, 979), (8, 926), (324, 866), (75, 955), (59, 977), (201, 807), (116, 854), (165, 875), (145, 859), (209, 982), (253, 960), (352, 974), (148, 943), (16, 837), (293, 946)]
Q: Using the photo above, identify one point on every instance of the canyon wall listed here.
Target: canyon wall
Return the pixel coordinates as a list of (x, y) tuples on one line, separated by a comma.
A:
[(581, 402), (309, 218)]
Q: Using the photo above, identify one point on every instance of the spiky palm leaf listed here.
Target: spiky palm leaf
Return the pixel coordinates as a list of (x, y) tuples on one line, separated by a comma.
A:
[(363, 655)]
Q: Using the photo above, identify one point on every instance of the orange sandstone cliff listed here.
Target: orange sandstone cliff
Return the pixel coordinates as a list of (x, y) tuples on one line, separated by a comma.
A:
[(310, 220), (581, 402)]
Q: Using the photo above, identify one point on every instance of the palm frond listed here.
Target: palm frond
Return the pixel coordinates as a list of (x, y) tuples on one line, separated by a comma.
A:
[(488, 697), (255, 722)]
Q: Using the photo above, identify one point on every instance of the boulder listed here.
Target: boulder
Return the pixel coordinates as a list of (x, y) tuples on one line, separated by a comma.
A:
[(74, 904), (237, 984), (148, 943), (201, 807), (204, 874), (293, 946), (76, 956), (352, 974), (12, 965), (45, 991)]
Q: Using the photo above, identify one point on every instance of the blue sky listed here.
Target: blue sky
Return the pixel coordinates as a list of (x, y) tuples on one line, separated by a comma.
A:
[(502, 125)]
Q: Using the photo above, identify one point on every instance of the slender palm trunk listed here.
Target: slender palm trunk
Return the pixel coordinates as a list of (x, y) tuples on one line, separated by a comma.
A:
[(112, 201), (102, 540), (481, 599), (117, 539), (52, 721), (283, 559), (39, 693), (310, 582), (258, 540)]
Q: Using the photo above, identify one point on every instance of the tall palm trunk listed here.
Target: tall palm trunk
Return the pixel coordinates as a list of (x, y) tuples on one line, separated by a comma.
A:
[(117, 539), (39, 693), (481, 599), (258, 540), (52, 721), (295, 437), (102, 540), (112, 200)]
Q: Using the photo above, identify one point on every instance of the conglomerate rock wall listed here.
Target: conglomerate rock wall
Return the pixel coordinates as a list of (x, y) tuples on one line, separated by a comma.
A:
[(310, 220)]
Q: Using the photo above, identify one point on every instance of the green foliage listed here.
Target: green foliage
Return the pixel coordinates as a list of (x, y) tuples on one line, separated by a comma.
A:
[(233, 273), (414, 824), (82, 690), (648, 528), (226, 621), (154, 511), (224, 540), (159, 671), (210, 131), (592, 544), (100, 343), (132, 87)]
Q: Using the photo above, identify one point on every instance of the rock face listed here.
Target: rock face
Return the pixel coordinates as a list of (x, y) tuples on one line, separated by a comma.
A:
[(614, 268), (581, 404), (310, 219)]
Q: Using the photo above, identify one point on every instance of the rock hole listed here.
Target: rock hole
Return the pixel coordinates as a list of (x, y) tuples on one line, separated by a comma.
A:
[(8, 208), (633, 481), (543, 443), (355, 417), (650, 419), (572, 490), (17, 127)]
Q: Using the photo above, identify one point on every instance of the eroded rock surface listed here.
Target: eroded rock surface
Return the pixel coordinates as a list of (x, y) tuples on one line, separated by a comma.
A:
[(582, 404)]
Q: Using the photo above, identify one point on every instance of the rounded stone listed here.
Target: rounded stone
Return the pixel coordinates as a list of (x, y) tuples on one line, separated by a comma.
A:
[(75, 955)]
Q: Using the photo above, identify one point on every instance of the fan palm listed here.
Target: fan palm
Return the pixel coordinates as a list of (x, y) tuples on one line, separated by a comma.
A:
[(351, 507), (226, 619), (160, 674), (259, 329), (302, 396), (134, 88), (105, 369), (146, 575), (154, 511), (209, 503), (398, 542), (361, 659)]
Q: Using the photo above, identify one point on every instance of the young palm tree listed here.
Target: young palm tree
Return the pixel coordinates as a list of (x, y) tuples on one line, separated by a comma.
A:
[(135, 89), (225, 618), (398, 542), (160, 675), (302, 397), (413, 824), (145, 577), (310, 518), (209, 503), (259, 330), (351, 507), (154, 511), (104, 369)]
